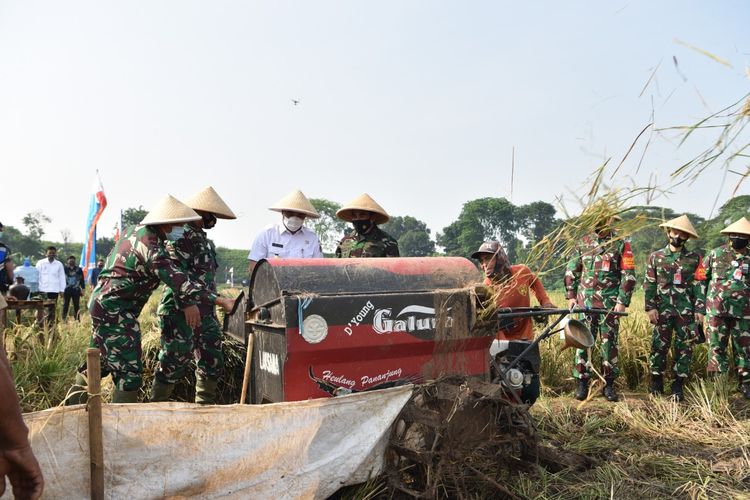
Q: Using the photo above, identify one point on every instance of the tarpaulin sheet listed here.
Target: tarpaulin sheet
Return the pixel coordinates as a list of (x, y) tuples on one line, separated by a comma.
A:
[(306, 449)]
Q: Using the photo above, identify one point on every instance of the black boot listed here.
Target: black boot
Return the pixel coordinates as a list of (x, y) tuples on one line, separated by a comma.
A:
[(744, 387), (657, 385), (677, 388), (609, 391), (582, 391)]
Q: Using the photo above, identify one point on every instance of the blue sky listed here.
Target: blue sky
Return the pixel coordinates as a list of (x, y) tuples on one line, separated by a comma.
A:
[(418, 103)]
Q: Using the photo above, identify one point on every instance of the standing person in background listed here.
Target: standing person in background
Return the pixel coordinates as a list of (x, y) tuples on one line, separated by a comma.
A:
[(601, 275), (6, 270), (74, 286), (17, 461), (367, 239), (728, 303), (675, 301), (51, 279), (290, 239), (94, 275), (19, 290)]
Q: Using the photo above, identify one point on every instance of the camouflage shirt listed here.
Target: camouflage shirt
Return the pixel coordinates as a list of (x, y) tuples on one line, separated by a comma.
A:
[(195, 255), (674, 283), (376, 243), (728, 281), (601, 273), (134, 269)]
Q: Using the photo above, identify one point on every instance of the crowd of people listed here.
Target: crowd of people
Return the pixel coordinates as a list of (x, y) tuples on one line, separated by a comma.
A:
[(683, 293)]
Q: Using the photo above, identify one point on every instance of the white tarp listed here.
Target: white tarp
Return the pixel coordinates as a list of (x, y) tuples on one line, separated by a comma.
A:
[(305, 449)]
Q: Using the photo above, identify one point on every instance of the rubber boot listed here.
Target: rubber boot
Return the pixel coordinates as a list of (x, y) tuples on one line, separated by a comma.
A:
[(657, 385), (677, 386), (205, 390), (119, 396), (610, 392), (78, 392), (582, 391), (745, 386), (160, 391)]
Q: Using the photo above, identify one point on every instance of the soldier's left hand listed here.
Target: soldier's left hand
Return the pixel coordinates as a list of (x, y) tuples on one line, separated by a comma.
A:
[(699, 318), (620, 308), (192, 316)]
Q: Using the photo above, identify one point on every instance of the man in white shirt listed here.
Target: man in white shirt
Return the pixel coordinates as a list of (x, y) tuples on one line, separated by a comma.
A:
[(290, 239), (51, 279)]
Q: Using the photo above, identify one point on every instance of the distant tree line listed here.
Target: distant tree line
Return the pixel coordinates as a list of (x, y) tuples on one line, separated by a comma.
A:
[(518, 228)]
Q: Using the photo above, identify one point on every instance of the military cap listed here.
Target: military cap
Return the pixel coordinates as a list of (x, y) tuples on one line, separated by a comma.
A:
[(296, 201), (208, 200), (681, 223), (363, 203)]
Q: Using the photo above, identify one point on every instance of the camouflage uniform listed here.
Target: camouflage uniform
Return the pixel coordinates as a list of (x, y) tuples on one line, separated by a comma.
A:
[(195, 255), (728, 308), (674, 287), (600, 275), (132, 272), (376, 243)]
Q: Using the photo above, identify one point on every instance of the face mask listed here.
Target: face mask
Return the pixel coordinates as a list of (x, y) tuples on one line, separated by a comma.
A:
[(293, 223), (676, 241), (209, 221), (739, 242), (176, 233), (1, 234), (362, 226), (51, 258)]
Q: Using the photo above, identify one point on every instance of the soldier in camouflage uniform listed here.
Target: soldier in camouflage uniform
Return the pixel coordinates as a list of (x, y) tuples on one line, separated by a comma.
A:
[(675, 301), (601, 275), (728, 303), (195, 255), (367, 239), (133, 270)]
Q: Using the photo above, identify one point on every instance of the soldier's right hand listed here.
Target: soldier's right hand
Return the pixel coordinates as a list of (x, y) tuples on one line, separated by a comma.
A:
[(653, 316), (192, 316), (572, 303)]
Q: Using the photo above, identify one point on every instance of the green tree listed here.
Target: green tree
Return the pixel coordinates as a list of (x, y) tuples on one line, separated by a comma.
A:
[(412, 234), (329, 228), (480, 220), (34, 222), (535, 220), (21, 245), (133, 216), (104, 246)]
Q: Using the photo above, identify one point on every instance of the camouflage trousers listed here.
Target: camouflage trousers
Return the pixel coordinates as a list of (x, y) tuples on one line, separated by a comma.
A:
[(720, 330), (608, 328), (119, 342), (180, 344), (661, 340)]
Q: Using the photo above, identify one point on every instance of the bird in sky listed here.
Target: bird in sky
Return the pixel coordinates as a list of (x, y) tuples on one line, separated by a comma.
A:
[(294, 101)]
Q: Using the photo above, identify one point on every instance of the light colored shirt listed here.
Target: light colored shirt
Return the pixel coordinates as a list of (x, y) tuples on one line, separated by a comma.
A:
[(30, 277), (51, 276), (275, 241)]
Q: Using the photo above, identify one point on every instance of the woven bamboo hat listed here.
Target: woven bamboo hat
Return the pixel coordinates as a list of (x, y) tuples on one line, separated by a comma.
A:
[(296, 201), (209, 200), (681, 223), (363, 202), (170, 210), (741, 226)]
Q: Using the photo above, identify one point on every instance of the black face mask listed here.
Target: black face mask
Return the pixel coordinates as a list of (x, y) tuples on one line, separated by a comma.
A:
[(739, 242), (362, 226), (676, 241), (209, 220)]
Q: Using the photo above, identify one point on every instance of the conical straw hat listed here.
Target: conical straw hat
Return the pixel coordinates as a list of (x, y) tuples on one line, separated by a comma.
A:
[(296, 201), (681, 223), (170, 211), (742, 226), (363, 202), (209, 201)]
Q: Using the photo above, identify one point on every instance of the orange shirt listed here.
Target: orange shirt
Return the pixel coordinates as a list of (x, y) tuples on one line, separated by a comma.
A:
[(515, 293)]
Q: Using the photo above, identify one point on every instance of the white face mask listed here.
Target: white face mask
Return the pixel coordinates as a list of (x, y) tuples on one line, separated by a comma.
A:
[(293, 223)]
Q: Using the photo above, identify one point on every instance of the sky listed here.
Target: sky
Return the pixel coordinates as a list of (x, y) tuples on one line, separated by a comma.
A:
[(421, 104)]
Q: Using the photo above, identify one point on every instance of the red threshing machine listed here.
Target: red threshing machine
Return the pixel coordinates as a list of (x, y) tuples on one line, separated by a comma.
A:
[(324, 327)]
